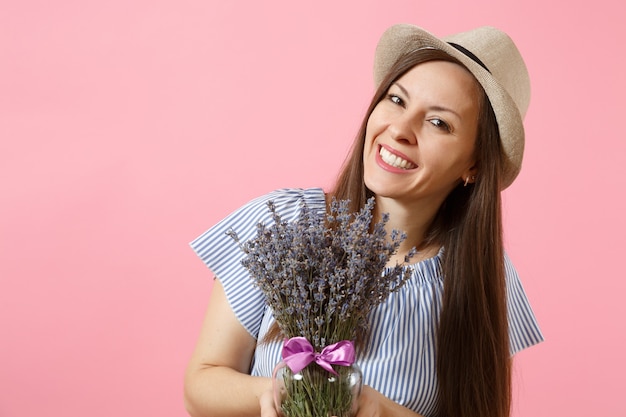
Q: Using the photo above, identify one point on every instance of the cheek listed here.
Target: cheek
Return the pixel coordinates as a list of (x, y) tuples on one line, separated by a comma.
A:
[(375, 123), (370, 135), (448, 159), (368, 153)]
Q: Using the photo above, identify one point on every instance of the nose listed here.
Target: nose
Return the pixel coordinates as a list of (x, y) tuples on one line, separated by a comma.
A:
[(402, 129)]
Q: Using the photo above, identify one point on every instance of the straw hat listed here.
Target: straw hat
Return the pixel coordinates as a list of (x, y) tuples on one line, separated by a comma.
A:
[(492, 57)]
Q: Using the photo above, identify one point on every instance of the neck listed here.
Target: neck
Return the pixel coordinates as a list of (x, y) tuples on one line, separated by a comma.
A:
[(414, 220)]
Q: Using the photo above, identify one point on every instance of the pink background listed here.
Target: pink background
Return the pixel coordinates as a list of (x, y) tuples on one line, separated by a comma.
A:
[(129, 127)]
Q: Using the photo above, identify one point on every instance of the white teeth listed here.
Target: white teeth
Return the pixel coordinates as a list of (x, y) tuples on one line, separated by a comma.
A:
[(394, 160)]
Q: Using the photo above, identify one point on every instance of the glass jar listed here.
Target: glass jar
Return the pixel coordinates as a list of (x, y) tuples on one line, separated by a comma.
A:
[(315, 392)]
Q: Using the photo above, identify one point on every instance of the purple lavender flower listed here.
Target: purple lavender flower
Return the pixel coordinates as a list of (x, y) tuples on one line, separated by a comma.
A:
[(323, 273)]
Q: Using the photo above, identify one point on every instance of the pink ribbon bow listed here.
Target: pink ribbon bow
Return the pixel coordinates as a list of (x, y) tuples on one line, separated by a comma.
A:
[(298, 353)]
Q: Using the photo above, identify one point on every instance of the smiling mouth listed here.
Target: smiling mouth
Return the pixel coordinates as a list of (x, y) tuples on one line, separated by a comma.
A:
[(394, 160)]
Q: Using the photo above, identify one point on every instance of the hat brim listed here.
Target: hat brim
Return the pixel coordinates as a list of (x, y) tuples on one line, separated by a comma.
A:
[(401, 39)]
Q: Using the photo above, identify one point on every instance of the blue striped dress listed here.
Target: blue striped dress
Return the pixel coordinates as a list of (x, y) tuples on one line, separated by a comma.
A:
[(400, 359)]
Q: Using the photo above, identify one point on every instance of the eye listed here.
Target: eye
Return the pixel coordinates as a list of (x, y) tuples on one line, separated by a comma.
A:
[(440, 124), (395, 99)]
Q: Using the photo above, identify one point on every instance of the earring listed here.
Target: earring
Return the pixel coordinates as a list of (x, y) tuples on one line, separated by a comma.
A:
[(467, 180)]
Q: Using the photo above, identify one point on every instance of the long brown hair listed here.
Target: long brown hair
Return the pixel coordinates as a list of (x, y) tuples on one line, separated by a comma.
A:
[(473, 358)]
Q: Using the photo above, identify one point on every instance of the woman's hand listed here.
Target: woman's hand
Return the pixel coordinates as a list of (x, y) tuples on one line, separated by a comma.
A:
[(267, 404), (374, 404), (370, 403)]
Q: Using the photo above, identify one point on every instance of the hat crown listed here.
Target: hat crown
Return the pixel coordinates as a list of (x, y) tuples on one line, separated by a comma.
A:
[(502, 58)]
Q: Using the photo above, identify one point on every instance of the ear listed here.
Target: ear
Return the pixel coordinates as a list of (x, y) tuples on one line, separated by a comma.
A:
[(469, 176)]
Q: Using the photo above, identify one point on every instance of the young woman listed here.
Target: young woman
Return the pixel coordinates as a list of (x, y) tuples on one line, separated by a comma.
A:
[(442, 138)]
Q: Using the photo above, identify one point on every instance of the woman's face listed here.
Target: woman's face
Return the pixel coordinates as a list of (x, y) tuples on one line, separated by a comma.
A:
[(420, 138)]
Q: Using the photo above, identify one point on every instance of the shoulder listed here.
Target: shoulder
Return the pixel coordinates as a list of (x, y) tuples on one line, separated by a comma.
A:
[(286, 198), (524, 329), (243, 220), (287, 201)]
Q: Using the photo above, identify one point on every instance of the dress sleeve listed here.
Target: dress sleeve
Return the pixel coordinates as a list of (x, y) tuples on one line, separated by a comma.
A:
[(223, 255), (523, 327)]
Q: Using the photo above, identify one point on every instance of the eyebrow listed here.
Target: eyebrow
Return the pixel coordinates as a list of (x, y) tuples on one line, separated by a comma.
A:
[(435, 108)]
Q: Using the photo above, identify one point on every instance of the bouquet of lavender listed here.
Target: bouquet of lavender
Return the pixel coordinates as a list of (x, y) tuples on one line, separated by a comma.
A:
[(322, 275)]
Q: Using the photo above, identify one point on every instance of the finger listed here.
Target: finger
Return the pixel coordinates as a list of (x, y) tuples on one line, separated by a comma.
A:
[(267, 404)]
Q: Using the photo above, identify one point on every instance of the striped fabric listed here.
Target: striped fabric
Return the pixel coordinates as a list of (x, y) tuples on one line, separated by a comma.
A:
[(400, 359)]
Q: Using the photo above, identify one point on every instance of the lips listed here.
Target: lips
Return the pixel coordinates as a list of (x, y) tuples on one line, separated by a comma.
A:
[(395, 160)]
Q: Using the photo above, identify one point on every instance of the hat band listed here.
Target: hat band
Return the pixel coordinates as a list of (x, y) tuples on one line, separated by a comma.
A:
[(469, 54)]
